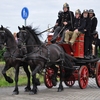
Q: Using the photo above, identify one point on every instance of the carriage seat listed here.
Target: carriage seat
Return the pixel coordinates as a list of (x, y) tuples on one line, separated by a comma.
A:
[(78, 46)]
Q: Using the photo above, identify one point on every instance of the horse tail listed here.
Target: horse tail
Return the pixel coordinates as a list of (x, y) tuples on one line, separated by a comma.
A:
[(72, 58), (68, 66), (68, 62)]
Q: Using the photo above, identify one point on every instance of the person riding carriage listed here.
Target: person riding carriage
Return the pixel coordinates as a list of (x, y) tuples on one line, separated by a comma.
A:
[(69, 27), (78, 28), (64, 23)]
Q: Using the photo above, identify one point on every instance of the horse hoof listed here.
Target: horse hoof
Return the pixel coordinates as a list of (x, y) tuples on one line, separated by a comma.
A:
[(15, 93), (54, 82), (27, 89), (9, 80), (32, 93), (37, 82), (60, 90)]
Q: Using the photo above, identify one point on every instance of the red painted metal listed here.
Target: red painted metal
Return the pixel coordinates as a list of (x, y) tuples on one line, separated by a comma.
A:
[(47, 78), (50, 37), (75, 73), (83, 77), (78, 46), (70, 81)]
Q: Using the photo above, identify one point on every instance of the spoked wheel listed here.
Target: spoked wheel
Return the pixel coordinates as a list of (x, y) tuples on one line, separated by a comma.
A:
[(47, 78), (83, 77), (98, 74), (70, 81)]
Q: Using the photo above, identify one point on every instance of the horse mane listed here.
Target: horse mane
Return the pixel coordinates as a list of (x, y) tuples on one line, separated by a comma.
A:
[(34, 33)]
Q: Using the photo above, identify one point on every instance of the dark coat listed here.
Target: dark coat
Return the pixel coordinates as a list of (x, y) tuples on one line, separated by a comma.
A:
[(66, 17), (94, 23), (88, 24), (96, 41), (79, 24)]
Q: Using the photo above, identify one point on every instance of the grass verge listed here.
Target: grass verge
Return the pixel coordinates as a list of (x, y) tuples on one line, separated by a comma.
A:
[(22, 81), (22, 78)]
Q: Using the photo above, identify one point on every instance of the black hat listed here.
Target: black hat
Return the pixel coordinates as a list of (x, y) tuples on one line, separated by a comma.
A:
[(85, 11), (95, 32), (77, 11), (91, 11), (65, 5), (59, 13)]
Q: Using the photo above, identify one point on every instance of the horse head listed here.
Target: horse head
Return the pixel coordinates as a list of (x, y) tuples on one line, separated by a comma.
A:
[(28, 36), (22, 36), (2, 37)]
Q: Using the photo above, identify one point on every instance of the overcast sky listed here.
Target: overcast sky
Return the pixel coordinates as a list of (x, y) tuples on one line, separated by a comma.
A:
[(41, 12)]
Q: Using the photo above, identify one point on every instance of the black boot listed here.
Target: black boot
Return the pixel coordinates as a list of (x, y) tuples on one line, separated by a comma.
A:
[(53, 41), (87, 57), (54, 80), (91, 57)]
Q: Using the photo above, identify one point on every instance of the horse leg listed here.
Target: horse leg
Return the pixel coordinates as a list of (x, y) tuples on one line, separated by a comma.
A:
[(27, 88), (34, 90), (16, 91), (54, 76), (35, 81), (7, 78), (60, 88)]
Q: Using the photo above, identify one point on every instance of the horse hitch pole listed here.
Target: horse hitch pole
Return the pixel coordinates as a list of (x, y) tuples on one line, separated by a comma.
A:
[(46, 30)]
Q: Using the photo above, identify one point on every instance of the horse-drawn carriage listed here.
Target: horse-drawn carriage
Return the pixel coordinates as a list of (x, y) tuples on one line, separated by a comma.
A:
[(41, 56), (83, 69)]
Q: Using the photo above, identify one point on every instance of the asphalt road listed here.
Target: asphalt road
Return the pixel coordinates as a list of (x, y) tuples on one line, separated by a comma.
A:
[(92, 92)]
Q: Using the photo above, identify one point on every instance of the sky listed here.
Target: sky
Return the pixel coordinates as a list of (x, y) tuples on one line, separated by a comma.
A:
[(41, 12)]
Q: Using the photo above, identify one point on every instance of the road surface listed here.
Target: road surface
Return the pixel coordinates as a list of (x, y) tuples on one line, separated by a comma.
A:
[(92, 92)]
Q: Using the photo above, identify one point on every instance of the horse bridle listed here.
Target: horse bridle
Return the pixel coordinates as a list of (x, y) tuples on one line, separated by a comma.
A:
[(23, 41)]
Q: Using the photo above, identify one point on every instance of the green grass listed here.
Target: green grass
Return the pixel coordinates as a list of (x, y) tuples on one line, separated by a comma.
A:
[(22, 78), (4, 83), (22, 81), (2, 62)]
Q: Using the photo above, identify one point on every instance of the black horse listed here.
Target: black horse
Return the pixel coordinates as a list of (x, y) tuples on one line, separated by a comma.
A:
[(10, 57), (40, 55)]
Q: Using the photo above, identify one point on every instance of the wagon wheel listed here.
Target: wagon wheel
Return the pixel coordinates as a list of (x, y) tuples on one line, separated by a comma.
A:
[(98, 74), (70, 81), (83, 77), (47, 78)]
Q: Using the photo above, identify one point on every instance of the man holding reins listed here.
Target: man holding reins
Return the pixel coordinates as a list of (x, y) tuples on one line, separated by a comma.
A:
[(64, 23)]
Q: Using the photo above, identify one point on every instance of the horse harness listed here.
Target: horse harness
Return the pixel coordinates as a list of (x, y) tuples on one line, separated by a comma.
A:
[(40, 56), (11, 54)]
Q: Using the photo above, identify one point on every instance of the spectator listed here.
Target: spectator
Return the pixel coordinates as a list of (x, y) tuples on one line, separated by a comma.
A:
[(15, 36)]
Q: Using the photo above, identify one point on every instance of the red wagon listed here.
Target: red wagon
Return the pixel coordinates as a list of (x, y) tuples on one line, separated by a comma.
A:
[(83, 68)]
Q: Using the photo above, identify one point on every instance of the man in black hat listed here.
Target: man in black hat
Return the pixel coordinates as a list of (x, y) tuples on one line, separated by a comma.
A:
[(93, 19), (93, 26), (78, 28), (87, 31), (64, 22), (57, 21)]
